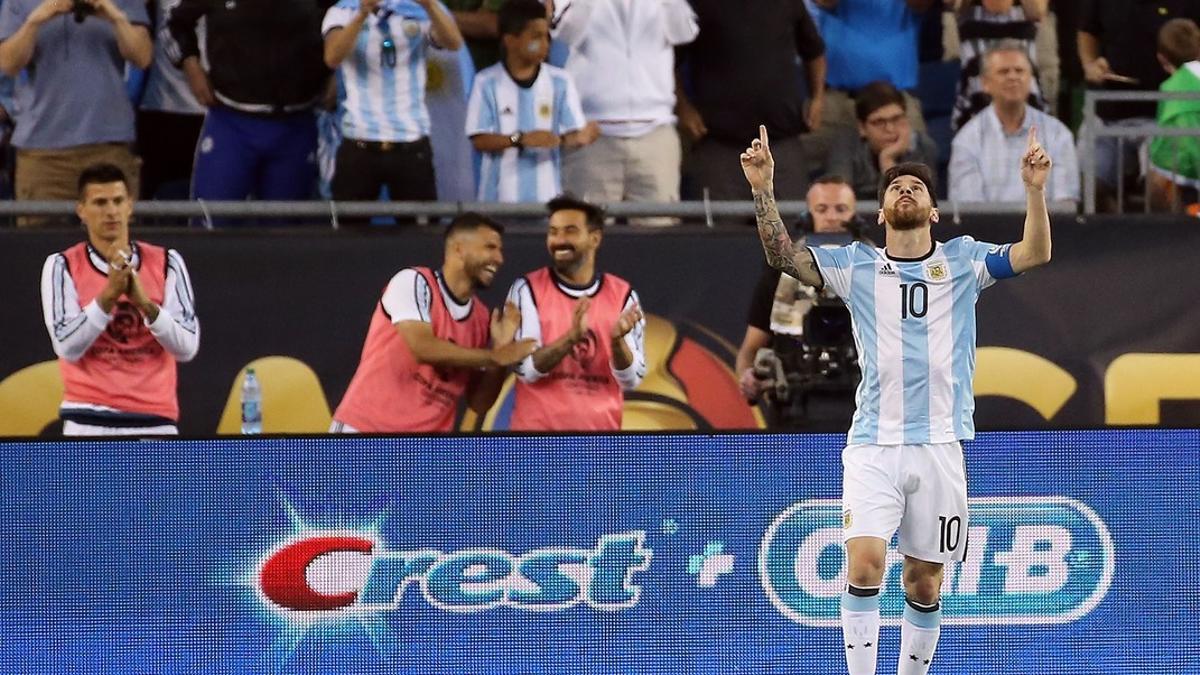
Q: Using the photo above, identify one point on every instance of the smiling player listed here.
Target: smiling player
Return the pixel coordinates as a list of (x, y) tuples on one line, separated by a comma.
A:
[(427, 345), (588, 326)]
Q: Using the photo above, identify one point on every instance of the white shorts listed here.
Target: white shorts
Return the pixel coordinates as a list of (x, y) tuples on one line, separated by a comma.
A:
[(336, 427), (919, 489)]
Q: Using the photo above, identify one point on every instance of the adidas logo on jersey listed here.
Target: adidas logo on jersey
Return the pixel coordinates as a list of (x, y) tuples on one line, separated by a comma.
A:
[(887, 270)]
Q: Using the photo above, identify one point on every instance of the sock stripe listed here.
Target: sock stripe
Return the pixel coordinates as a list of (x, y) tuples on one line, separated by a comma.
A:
[(862, 592), (866, 600), (926, 609), (927, 617)]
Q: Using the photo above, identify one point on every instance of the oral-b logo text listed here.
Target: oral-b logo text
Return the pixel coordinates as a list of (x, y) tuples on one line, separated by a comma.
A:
[(1030, 560)]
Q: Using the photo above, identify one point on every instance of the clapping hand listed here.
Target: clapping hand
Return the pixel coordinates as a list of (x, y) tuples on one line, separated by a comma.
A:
[(625, 323), (505, 323), (579, 321), (119, 271)]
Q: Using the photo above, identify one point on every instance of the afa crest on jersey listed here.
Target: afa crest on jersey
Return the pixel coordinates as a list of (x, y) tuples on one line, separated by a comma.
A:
[(936, 270)]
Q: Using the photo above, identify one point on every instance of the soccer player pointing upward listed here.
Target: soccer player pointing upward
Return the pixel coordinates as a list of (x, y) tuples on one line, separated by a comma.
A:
[(912, 306)]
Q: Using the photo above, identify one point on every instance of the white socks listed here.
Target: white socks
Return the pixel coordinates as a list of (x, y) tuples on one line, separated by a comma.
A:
[(860, 633), (918, 637), (860, 629)]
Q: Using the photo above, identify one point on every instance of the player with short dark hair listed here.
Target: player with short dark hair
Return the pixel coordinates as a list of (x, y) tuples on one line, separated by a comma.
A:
[(588, 326), (121, 313), (427, 346), (912, 307)]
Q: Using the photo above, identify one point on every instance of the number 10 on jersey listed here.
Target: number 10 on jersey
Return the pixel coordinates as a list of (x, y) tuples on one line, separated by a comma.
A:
[(914, 300)]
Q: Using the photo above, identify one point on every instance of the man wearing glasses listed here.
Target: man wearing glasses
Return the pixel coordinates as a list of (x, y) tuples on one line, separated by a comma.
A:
[(885, 138), (379, 47)]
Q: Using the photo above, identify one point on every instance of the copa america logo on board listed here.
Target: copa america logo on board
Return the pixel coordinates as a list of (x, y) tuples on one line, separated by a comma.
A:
[(328, 573), (1031, 560)]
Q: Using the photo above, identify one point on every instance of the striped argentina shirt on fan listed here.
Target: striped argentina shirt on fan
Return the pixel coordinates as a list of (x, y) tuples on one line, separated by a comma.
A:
[(382, 102), (914, 327), (499, 105)]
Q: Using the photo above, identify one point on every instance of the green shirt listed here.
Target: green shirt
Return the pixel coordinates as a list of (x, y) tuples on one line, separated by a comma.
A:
[(1179, 156), (484, 52)]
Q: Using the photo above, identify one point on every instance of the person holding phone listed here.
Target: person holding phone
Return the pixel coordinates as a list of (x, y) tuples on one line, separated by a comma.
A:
[(74, 110)]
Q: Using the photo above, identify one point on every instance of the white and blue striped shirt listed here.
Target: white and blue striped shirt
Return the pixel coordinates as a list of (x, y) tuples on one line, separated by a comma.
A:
[(499, 105), (914, 327), (384, 102)]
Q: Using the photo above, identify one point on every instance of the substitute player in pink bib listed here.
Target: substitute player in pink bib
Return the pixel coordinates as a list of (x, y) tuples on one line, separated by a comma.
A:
[(588, 326), (120, 314), (427, 345)]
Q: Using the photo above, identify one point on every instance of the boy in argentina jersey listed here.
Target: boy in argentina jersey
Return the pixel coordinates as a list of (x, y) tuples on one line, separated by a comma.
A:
[(522, 112), (912, 306)]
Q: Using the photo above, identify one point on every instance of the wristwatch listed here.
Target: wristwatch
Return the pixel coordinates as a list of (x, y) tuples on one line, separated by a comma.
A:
[(515, 140)]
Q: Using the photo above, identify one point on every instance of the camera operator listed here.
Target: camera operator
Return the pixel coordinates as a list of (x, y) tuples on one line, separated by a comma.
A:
[(74, 110), (798, 352)]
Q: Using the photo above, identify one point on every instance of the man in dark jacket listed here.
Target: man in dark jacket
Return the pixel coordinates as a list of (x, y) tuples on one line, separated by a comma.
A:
[(266, 73)]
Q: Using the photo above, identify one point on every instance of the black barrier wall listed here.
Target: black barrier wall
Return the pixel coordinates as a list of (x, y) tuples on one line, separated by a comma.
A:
[(1116, 287)]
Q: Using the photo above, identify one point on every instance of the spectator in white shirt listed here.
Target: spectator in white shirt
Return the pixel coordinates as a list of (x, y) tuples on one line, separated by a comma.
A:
[(623, 62), (987, 148)]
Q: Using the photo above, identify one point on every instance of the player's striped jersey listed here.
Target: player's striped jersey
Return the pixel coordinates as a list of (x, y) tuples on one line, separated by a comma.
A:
[(498, 105), (914, 327)]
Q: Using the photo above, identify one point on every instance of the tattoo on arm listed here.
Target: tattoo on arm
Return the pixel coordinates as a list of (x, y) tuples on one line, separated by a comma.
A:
[(793, 259)]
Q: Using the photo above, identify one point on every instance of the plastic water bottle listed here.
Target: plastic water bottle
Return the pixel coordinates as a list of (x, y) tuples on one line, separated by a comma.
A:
[(251, 404)]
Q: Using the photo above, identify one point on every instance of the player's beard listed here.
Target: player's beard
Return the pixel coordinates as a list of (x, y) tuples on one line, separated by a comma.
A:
[(907, 216), (565, 266), (480, 277)]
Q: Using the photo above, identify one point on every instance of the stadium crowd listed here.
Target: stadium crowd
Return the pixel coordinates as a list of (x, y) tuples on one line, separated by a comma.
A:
[(612, 100)]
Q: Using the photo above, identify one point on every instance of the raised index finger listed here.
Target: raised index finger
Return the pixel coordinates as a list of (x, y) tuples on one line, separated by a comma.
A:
[(762, 135), (1032, 135)]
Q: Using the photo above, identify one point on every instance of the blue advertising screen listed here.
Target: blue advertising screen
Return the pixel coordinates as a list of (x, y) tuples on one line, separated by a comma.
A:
[(575, 554)]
